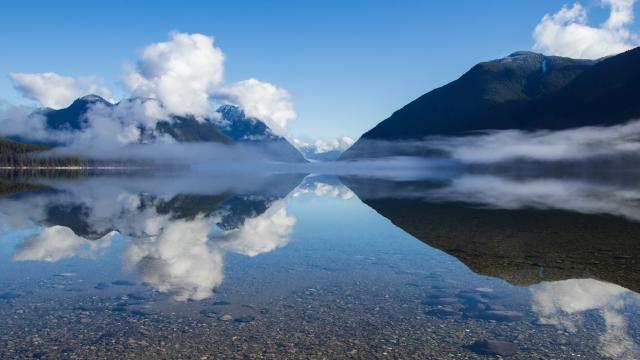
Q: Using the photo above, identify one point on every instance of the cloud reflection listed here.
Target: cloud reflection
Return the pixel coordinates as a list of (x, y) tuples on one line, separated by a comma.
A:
[(324, 186), (55, 243), (563, 194), (176, 241), (176, 257), (261, 234), (566, 304)]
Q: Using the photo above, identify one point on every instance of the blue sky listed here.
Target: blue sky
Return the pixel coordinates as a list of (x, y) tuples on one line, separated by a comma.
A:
[(347, 64)]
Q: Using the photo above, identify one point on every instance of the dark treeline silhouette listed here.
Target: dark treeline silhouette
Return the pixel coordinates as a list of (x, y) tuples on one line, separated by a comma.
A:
[(16, 155), (19, 155)]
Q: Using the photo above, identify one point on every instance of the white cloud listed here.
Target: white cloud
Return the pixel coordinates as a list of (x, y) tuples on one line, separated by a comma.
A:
[(261, 100), (57, 91), (181, 76), (181, 72), (567, 33), (20, 120)]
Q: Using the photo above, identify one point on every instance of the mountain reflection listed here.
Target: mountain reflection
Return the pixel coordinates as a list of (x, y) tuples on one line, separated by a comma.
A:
[(573, 241), (178, 230), (522, 230)]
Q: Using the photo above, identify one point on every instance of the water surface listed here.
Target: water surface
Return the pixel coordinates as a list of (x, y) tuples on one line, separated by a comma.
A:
[(294, 265)]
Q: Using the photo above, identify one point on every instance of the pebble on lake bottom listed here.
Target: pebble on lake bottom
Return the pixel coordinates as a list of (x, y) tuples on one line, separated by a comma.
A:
[(493, 347)]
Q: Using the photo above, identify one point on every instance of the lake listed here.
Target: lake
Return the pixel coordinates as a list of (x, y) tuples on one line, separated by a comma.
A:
[(280, 264)]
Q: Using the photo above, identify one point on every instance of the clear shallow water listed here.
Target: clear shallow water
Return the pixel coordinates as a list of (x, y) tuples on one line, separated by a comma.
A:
[(296, 265)]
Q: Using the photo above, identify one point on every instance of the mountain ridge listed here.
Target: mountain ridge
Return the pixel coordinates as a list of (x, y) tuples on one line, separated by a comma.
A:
[(524, 91), (232, 127)]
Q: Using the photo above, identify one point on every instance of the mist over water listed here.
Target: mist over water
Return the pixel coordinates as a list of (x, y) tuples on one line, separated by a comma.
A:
[(503, 146)]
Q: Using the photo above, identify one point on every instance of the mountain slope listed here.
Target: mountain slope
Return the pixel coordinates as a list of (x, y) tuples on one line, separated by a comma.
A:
[(72, 117), (524, 91), (182, 128), (231, 127), (234, 124)]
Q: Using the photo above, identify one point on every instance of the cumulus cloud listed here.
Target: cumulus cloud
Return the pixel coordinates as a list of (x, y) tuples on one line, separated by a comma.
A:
[(572, 144), (181, 73), (567, 33), (57, 91), (261, 100), (186, 72), (181, 76)]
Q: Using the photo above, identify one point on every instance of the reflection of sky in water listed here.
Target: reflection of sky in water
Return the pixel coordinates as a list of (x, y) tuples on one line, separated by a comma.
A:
[(564, 303), (189, 239)]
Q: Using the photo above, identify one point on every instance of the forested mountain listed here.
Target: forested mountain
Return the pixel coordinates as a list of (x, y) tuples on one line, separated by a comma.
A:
[(525, 91)]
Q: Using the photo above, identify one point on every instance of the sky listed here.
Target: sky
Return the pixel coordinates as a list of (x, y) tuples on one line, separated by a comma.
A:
[(344, 65)]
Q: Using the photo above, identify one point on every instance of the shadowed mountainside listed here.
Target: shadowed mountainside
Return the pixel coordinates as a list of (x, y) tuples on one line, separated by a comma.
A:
[(525, 91)]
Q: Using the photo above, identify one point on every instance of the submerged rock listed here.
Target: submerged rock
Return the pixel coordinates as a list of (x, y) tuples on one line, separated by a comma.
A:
[(442, 312), (501, 315), (122, 283), (245, 319), (101, 286), (209, 313), (9, 295), (225, 317), (441, 301), (493, 347)]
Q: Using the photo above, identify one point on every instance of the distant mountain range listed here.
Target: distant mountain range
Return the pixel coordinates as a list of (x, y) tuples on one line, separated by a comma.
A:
[(312, 154), (525, 91), (232, 127)]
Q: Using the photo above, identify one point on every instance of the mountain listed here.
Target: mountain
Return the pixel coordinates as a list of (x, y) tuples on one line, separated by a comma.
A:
[(232, 127), (525, 91), (311, 153), (72, 117), (239, 127), (326, 156), (323, 150)]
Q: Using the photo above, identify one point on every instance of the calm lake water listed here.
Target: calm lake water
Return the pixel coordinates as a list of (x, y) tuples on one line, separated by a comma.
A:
[(455, 265)]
